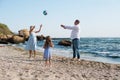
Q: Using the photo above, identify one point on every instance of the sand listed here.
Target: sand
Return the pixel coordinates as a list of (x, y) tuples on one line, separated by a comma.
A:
[(15, 65)]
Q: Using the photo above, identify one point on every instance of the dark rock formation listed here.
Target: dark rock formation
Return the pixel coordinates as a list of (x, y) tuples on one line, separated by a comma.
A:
[(65, 43), (41, 37)]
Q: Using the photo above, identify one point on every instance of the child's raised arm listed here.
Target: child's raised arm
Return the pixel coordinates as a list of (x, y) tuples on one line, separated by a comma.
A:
[(39, 29), (31, 29)]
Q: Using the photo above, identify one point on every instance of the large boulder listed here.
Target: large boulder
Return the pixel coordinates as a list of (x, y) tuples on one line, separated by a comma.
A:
[(41, 37), (24, 33), (4, 38), (65, 43), (18, 39)]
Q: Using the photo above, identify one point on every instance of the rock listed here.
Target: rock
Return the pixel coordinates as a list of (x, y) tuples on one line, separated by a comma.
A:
[(24, 33), (18, 39), (5, 30), (41, 37), (9, 36), (65, 43), (4, 38), (5, 33), (3, 42)]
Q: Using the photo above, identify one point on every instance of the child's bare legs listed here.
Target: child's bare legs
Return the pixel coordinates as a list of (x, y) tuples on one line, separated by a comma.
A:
[(48, 62), (30, 53), (34, 53)]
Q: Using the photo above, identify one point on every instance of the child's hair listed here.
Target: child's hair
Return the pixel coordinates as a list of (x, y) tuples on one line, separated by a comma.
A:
[(48, 42), (32, 28), (77, 21)]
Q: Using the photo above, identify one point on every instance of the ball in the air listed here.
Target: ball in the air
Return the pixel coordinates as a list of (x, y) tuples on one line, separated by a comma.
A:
[(45, 12)]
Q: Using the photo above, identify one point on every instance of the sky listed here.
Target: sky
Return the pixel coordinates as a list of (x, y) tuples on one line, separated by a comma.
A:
[(98, 18)]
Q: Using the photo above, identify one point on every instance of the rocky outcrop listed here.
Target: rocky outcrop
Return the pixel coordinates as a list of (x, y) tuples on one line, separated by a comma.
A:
[(65, 43), (5, 33), (24, 33), (5, 30), (41, 37), (7, 36), (4, 39), (18, 39)]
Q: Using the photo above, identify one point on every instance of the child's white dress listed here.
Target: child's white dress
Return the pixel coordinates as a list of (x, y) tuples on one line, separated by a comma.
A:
[(47, 53), (32, 42)]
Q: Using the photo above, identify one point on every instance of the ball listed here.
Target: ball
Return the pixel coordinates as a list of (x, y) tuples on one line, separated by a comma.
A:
[(44, 12)]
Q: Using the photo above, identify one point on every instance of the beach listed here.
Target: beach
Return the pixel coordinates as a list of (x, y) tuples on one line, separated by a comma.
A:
[(15, 65)]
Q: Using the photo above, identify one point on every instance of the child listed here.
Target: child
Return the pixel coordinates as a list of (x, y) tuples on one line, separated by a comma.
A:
[(75, 36), (47, 54), (32, 41)]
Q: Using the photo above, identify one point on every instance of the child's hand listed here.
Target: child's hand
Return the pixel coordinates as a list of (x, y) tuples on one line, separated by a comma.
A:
[(40, 25)]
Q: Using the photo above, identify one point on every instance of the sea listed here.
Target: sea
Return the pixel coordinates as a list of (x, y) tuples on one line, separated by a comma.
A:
[(105, 50)]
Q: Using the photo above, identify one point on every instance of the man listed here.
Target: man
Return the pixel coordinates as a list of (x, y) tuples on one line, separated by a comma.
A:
[(75, 36)]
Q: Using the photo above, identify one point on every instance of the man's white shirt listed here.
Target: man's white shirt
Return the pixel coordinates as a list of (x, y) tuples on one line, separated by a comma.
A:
[(75, 33)]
